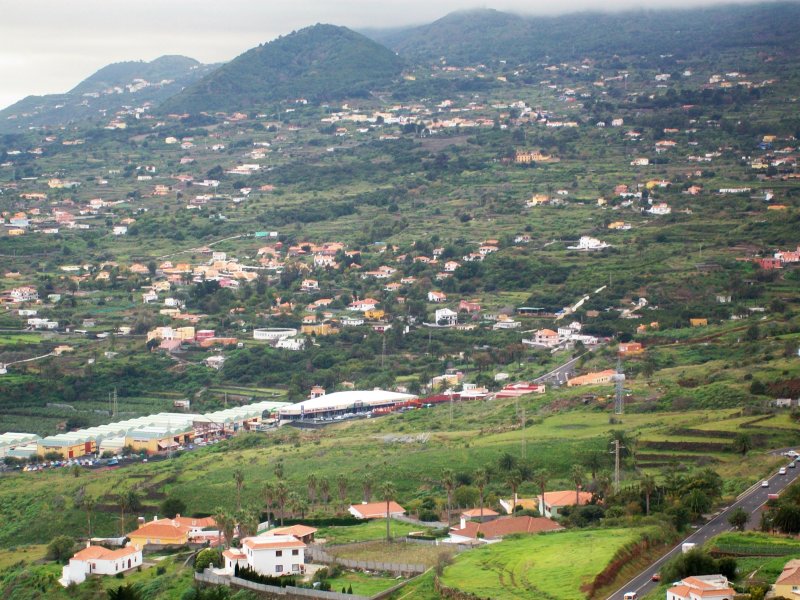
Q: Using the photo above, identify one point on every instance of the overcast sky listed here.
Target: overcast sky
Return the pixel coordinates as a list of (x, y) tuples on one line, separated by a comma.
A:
[(49, 46)]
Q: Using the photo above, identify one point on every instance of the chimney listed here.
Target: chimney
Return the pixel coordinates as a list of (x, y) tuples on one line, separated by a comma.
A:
[(140, 521), (155, 517), (88, 543), (463, 522)]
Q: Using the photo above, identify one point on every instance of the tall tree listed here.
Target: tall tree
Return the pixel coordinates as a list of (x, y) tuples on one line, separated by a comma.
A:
[(238, 478), (481, 480), (576, 474), (268, 492), (388, 492), (128, 501), (281, 496), (366, 487), (226, 525), (593, 462), (449, 485), (513, 480), (279, 472), (742, 443), (324, 490), (247, 520), (88, 504), (297, 504), (648, 486), (739, 518), (341, 488), (541, 478), (311, 484)]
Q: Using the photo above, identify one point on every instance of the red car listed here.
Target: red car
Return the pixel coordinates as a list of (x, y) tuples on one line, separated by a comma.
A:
[(656, 577)]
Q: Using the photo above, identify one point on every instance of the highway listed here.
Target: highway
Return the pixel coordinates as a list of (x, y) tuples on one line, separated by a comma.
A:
[(751, 500)]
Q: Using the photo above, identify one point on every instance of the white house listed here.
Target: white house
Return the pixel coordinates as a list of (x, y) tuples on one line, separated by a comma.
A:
[(291, 343), (274, 555), (702, 587), (437, 297), (119, 230), (375, 510), (446, 317), (660, 208), (587, 243), (96, 560)]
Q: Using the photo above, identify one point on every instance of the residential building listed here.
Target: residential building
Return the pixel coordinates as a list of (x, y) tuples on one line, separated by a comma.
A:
[(630, 348), (97, 560), (444, 317), (600, 378), (788, 582), (376, 510), (702, 587), (493, 531), (272, 555), (437, 297), (555, 501)]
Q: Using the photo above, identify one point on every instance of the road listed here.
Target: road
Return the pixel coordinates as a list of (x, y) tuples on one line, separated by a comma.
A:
[(560, 374), (750, 500)]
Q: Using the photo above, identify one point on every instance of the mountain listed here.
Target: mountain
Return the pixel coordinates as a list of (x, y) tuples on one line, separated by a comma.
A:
[(101, 95), (470, 37), (322, 62)]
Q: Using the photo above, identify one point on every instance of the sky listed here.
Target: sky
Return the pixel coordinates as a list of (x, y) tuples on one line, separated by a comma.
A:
[(49, 46)]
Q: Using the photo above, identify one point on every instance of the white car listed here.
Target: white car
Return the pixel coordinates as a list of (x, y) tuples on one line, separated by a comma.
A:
[(782, 471), (765, 483), (791, 453)]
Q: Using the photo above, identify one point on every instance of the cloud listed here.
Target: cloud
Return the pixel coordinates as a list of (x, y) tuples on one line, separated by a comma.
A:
[(49, 46)]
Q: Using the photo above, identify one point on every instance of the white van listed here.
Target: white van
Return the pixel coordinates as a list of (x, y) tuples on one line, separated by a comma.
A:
[(630, 596)]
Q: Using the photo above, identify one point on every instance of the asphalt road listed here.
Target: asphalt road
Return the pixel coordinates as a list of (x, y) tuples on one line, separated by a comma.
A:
[(750, 500), (560, 374)]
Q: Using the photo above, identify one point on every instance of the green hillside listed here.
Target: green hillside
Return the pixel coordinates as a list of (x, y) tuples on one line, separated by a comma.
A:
[(468, 37), (322, 62), (121, 73)]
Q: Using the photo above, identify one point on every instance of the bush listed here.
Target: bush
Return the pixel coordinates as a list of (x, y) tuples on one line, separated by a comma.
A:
[(697, 562), (251, 575), (207, 558), (61, 548)]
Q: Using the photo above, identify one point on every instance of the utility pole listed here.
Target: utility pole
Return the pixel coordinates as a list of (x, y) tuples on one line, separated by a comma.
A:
[(114, 405), (617, 447), (522, 427), (383, 350)]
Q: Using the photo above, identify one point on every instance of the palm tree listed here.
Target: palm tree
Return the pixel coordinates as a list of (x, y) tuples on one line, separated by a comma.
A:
[(388, 492), (268, 491), (129, 501), (366, 486), (279, 469), (238, 478), (281, 496), (603, 484), (648, 485), (297, 504), (576, 474), (594, 462), (480, 481), (247, 519), (324, 490), (226, 525), (449, 484), (341, 487), (514, 480), (311, 483), (507, 461), (540, 478), (88, 504)]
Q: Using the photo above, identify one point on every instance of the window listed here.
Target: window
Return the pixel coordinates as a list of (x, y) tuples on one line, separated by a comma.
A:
[(295, 568), (295, 552), (278, 552), (279, 568)]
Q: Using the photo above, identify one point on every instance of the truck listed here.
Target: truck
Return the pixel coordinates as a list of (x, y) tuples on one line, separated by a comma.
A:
[(687, 546)]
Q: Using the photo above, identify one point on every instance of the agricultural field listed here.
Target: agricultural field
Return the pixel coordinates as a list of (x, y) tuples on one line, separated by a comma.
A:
[(535, 565)]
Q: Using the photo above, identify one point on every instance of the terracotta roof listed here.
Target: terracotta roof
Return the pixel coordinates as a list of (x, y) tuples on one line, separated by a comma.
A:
[(506, 526), (278, 542), (160, 529), (376, 510), (476, 512), (100, 553), (566, 498), (195, 523), (233, 554), (680, 590), (791, 574), (295, 530)]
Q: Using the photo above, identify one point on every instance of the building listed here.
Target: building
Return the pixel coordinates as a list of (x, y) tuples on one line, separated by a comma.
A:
[(520, 388), (10, 440), (630, 349), (343, 402), (163, 532), (788, 582), (273, 334), (600, 378), (97, 560), (495, 530), (444, 317), (304, 533), (555, 501), (587, 244), (272, 555), (376, 510), (481, 516), (702, 587), (545, 337)]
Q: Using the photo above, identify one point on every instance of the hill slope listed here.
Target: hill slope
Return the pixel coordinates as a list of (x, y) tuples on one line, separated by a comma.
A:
[(321, 62), (470, 37), (99, 96)]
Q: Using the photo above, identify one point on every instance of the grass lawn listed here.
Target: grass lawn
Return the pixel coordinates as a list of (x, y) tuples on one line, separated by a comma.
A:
[(398, 552), (755, 543), (555, 565), (28, 554), (363, 584), (372, 530)]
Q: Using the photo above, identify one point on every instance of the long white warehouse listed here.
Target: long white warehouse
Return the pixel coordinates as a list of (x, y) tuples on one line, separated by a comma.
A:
[(342, 402)]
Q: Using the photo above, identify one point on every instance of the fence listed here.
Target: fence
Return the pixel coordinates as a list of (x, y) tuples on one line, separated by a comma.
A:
[(273, 591), (317, 554)]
